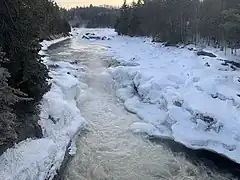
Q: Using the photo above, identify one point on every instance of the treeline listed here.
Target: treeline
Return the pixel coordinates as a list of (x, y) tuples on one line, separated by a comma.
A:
[(23, 76), (92, 16), (215, 22)]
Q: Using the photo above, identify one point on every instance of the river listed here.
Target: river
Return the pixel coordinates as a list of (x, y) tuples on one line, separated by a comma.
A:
[(109, 150)]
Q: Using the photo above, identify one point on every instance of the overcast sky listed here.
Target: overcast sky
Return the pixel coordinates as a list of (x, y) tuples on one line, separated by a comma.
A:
[(73, 3)]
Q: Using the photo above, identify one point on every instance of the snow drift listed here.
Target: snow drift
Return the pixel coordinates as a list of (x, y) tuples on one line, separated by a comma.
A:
[(61, 121), (191, 99)]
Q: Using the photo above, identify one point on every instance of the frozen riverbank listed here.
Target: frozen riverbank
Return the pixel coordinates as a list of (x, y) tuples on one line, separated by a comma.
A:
[(61, 122), (191, 99)]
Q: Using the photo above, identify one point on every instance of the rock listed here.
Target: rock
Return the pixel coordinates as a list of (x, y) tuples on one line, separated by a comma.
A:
[(177, 103), (66, 160), (95, 37), (74, 62), (180, 46), (233, 64), (233, 68), (207, 64), (104, 38), (224, 64), (157, 39), (93, 34), (204, 53), (53, 66), (85, 37), (42, 56), (52, 119), (168, 44), (236, 64), (230, 147), (214, 96), (238, 79), (207, 119)]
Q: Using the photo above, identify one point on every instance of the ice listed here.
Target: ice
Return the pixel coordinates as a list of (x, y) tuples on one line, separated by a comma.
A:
[(64, 53), (125, 93), (31, 159), (46, 44), (191, 99), (142, 127), (147, 112), (61, 122)]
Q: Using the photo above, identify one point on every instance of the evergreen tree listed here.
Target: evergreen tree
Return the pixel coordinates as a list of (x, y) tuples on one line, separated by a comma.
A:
[(92, 16), (23, 24), (8, 98), (135, 28), (231, 26), (122, 26)]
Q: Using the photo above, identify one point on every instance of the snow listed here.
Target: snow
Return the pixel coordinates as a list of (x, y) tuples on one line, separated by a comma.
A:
[(46, 44), (191, 99), (61, 121)]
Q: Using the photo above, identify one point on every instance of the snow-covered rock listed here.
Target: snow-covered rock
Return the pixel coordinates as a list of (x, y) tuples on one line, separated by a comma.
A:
[(95, 36)]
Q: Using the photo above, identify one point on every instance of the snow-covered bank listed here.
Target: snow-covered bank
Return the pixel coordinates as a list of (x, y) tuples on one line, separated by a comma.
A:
[(61, 122), (46, 44), (191, 99)]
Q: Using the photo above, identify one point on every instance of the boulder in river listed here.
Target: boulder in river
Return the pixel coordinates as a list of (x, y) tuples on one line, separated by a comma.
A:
[(94, 36)]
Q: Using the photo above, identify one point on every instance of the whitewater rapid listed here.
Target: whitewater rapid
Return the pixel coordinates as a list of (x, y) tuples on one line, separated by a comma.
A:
[(110, 151)]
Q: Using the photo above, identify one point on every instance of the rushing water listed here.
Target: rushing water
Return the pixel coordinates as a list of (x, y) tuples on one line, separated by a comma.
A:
[(109, 151)]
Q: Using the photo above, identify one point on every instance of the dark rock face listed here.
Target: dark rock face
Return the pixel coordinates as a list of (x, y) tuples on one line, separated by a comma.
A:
[(204, 53), (66, 160), (204, 157)]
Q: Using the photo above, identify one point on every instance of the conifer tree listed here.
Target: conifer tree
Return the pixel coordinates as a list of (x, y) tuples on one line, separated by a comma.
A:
[(23, 78), (122, 26)]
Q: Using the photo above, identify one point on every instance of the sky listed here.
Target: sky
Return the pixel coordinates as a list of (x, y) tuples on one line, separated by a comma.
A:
[(74, 3)]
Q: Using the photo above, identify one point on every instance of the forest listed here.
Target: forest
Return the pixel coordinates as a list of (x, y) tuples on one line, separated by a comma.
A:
[(23, 82), (93, 16), (215, 22)]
